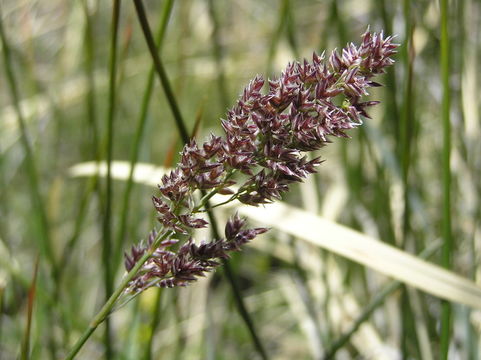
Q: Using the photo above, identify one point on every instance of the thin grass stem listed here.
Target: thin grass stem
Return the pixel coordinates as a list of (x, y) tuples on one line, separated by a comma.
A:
[(139, 135), (107, 220), (159, 68), (185, 137), (376, 301), (154, 323), (218, 55), (447, 251), (109, 305), (405, 144)]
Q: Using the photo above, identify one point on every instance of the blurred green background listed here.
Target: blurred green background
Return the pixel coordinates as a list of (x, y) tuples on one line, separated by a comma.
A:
[(409, 177)]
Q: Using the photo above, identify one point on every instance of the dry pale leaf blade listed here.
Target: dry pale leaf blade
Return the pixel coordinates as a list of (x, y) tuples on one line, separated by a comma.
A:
[(331, 236), (367, 251), (147, 174)]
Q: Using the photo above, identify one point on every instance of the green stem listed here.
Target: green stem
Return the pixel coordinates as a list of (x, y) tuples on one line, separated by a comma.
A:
[(236, 291), (139, 135), (406, 140), (159, 68), (218, 55), (108, 306), (232, 198), (204, 201), (154, 323), (107, 221), (185, 138), (447, 236)]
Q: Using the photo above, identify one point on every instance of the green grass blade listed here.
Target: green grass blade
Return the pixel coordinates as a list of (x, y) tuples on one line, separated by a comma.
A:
[(447, 252), (154, 323), (107, 220), (139, 136), (377, 300), (159, 68), (218, 55)]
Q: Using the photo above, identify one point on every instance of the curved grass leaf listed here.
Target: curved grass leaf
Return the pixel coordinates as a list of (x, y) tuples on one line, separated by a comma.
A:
[(330, 236)]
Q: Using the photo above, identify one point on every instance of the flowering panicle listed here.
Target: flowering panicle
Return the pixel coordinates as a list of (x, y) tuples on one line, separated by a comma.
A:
[(266, 138)]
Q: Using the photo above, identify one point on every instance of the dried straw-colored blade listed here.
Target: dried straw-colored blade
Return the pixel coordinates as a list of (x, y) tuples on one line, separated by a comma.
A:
[(146, 174), (331, 236), (367, 251)]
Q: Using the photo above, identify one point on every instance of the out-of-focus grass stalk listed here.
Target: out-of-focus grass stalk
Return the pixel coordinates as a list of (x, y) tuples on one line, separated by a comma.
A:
[(107, 220), (40, 214), (25, 348), (336, 21), (89, 73), (93, 145), (391, 115), (447, 252), (217, 51), (274, 40), (301, 277), (185, 138), (405, 144), (407, 116), (138, 137), (469, 55), (159, 68), (112, 300), (391, 118), (291, 28), (93, 149), (154, 323), (4, 201), (286, 22), (377, 300)]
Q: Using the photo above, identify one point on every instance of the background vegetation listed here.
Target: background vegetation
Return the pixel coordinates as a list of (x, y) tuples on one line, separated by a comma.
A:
[(409, 177)]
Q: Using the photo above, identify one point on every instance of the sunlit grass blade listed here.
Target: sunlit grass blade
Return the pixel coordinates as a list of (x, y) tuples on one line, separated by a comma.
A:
[(377, 300), (472, 132), (340, 240), (448, 248), (360, 248)]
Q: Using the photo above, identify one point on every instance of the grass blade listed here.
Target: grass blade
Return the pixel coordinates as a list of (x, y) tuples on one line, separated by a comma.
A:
[(343, 241), (159, 68), (138, 137), (447, 253), (376, 301), (107, 220), (218, 55)]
